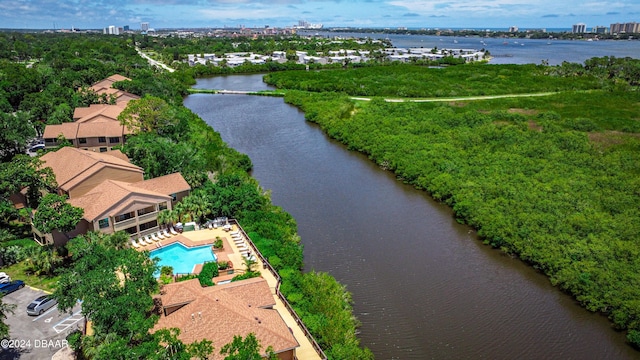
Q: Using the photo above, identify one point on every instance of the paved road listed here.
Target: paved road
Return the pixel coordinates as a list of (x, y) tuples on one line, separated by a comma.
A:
[(154, 62), (36, 337)]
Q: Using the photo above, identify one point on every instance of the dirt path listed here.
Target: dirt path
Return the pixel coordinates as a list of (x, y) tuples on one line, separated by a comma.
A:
[(466, 98)]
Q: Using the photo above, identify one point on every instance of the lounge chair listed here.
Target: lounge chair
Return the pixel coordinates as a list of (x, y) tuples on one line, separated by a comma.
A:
[(153, 238), (215, 225), (173, 231), (166, 233), (160, 235), (235, 232), (134, 243)]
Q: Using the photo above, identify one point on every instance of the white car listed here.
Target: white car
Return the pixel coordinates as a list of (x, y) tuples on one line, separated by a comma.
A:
[(4, 278), (36, 147)]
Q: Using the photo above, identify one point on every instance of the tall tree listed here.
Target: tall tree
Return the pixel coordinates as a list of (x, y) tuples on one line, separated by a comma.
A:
[(24, 171), (15, 131), (4, 310), (55, 213), (246, 349), (115, 287), (149, 114)]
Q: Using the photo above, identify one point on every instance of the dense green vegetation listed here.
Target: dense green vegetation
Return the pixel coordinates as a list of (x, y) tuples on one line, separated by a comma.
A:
[(404, 80), (553, 180), (171, 139)]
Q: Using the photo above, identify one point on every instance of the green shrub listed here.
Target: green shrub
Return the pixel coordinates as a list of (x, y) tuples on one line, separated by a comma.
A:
[(166, 270), (13, 254), (74, 340), (247, 275), (186, 277), (209, 271)]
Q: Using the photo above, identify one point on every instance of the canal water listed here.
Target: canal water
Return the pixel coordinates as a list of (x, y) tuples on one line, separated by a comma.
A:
[(424, 286)]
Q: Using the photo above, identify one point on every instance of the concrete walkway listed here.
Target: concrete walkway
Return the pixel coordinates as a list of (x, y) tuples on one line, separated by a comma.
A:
[(154, 62), (306, 350)]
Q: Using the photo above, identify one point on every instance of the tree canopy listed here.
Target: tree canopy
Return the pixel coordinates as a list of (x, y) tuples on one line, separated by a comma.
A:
[(55, 213)]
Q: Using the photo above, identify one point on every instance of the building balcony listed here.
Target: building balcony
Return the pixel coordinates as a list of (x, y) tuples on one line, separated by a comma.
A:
[(147, 217), (119, 226), (40, 237)]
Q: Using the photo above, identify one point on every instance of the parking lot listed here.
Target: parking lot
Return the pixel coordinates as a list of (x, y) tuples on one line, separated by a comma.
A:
[(36, 337)]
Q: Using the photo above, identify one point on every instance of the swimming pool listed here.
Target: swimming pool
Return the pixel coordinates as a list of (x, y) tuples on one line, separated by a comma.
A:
[(181, 258)]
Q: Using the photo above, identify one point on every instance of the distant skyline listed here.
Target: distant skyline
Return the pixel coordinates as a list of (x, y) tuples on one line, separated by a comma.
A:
[(98, 14)]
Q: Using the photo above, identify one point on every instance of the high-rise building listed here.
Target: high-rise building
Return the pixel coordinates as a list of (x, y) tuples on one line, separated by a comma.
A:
[(630, 27), (599, 30), (144, 26), (579, 28), (513, 29), (112, 30)]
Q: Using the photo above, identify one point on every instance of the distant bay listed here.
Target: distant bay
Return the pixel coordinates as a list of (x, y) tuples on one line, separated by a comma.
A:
[(512, 51)]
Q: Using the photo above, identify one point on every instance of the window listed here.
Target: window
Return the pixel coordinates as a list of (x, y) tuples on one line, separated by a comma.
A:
[(123, 217), (82, 140), (149, 225), (132, 230), (147, 210), (114, 140), (162, 206), (103, 223), (174, 197), (103, 149), (102, 139)]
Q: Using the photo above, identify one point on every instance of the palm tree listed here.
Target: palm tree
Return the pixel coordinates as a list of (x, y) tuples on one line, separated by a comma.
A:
[(169, 217), (248, 263), (44, 259), (198, 205), (166, 216)]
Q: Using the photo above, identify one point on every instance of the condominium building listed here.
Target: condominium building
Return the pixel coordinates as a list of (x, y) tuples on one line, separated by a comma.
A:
[(628, 28), (111, 191), (579, 28)]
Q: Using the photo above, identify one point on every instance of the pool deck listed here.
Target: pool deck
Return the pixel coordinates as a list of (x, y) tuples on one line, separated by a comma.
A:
[(231, 252)]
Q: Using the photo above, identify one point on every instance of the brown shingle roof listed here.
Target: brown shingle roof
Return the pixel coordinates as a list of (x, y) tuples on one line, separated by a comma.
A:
[(104, 128), (106, 83), (71, 166), (118, 154), (222, 311), (105, 111), (68, 130), (105, 87), (167, 184), (181, 293), (117, 77), (112, 197)]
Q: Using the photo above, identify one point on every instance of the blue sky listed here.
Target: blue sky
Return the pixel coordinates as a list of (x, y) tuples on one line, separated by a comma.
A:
[(96, 14)]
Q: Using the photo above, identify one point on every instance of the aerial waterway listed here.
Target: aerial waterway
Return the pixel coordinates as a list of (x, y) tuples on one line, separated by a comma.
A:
[(424, 286)]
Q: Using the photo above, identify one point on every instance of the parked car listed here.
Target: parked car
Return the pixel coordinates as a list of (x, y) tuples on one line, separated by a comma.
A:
[(11, 286), (36, 147), (41, 304), (4, 278)]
